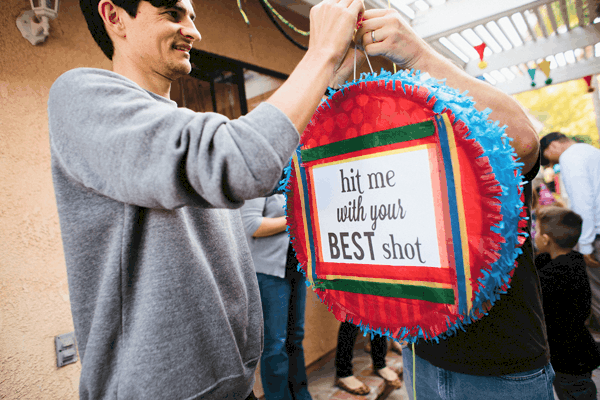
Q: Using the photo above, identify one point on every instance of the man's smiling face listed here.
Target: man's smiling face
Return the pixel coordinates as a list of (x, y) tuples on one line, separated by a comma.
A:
[(159, 39)]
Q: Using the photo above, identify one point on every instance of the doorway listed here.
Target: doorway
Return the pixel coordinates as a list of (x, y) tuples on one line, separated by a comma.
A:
[(223, 85)]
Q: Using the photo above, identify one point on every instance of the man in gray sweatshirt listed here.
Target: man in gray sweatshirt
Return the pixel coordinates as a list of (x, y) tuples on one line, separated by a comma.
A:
[(163, 291)]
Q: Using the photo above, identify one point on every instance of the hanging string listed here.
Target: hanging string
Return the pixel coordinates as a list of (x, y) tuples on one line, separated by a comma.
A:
[(354, 63), (390, 6), (274, 21), (243, 13), (414, 363), (366, 55), (285, 21)]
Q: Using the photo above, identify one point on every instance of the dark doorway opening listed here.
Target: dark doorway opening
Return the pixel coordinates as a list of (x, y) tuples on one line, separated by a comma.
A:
[(224, 85)]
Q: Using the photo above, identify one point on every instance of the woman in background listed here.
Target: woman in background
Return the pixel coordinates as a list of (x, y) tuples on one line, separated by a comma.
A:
[(283, 294)]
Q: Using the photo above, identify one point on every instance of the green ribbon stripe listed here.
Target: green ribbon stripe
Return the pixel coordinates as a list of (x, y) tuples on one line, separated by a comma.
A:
[(434, 295), (375, 139)]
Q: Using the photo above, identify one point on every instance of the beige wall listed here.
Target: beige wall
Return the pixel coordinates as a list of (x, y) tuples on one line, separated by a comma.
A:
[(224, 32), (34, 300)]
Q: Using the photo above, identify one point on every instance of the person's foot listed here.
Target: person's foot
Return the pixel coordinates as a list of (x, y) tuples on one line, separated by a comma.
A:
[(352, 385), (390, 376)]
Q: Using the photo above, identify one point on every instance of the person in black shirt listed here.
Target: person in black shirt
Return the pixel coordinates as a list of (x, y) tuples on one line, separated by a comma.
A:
[(505, 354)]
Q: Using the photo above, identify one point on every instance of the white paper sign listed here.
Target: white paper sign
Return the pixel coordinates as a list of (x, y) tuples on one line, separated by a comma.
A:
[(378, 210)]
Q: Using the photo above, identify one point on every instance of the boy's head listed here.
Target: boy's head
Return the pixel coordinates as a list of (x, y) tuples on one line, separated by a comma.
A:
[(559, 227), (148, 34)]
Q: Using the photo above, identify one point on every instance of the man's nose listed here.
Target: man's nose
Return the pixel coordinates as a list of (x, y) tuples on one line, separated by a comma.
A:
[(190, 32)]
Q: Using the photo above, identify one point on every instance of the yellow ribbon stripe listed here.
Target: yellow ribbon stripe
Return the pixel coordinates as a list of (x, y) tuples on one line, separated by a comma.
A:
[(461, 213)]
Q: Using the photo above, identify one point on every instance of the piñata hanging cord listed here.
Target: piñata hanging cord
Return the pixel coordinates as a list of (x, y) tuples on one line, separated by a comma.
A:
[(368, 61), (354, 63), (366, 55), (390, 6)]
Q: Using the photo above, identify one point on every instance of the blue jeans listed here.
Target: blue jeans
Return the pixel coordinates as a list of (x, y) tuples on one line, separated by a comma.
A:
[(435, 383), (282, 369)]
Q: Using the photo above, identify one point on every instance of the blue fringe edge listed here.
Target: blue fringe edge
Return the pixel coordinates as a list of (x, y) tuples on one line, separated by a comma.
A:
[(504, 162)]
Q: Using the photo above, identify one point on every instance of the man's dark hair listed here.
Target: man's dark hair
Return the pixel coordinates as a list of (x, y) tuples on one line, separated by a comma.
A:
[(561, 224), (545, 142), (89, 8)]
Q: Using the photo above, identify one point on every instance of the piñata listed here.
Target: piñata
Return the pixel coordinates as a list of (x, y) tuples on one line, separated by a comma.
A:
[(405, 206)]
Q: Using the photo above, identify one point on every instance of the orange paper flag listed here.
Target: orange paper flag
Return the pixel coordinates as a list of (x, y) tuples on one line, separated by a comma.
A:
[(545, 67)]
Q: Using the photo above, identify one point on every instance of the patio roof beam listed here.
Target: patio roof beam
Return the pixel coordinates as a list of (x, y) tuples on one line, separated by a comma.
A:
[(529, 27), (441, 20), (552, 18), (578, 37), (579, 8), (565, 14), (541, 23), (522, 35), (440, 48), (558, 75)]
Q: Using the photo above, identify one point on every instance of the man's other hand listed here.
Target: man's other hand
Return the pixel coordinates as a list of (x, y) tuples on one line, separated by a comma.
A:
[(394, 38)]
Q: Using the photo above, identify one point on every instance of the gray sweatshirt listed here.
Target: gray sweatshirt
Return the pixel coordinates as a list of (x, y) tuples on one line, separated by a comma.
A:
[(163, 292)]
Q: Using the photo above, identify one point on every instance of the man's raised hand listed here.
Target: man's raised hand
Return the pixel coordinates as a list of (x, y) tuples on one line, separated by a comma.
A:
[(332, 24)]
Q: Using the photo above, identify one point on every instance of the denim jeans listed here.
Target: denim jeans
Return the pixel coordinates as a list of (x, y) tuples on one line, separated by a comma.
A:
[(435, 383), (282, 369), (575, 387)]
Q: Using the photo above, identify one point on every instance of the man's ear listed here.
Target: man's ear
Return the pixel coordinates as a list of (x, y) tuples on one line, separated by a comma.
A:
[(546, 240), (112, 17)]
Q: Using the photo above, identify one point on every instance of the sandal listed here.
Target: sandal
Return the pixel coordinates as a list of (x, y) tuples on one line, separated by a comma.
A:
[(399, 371), (360, 391), (396, 383)]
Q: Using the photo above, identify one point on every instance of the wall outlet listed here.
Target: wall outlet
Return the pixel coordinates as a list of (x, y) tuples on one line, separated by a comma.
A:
[(66, 349)]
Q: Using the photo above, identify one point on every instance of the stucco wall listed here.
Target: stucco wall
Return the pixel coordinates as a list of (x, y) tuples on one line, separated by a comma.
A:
[(224, 32), (34, 300)]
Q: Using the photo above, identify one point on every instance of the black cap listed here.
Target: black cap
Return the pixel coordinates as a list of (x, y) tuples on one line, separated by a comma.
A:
[(545, 142)]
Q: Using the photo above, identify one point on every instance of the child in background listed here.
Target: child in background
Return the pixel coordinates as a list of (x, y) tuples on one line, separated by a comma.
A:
[(566, 298), (542, 197)]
